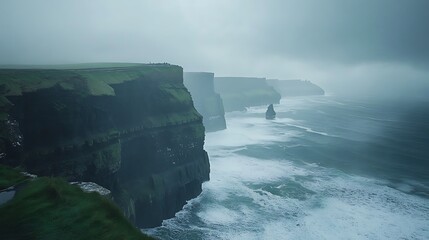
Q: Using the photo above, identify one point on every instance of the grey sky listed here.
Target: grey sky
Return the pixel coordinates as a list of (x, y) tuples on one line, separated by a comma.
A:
[(331, 42)]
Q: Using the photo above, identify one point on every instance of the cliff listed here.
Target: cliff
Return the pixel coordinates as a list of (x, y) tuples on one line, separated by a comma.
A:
[(207, 102), (289, 88), (50, 208), (240, 92), (130, 128)]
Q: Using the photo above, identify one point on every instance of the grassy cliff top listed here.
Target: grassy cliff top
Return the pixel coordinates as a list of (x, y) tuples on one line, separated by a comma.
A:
[(88, 79), (50, 208), (84, 65)]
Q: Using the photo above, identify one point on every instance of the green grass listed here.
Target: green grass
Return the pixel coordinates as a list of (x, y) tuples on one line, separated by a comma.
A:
[(115, 75), (25, 80), (17, 82), (89, 79), (177, 93), (50, 208), (10, 177), (80, 65), (110, 76), (97, 87)]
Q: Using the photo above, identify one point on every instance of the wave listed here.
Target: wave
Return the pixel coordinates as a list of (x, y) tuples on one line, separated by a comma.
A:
[(274, 195), (309, 129), (233, 207)]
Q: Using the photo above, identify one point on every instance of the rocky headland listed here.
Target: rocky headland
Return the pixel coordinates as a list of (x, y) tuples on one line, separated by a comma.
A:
[(207, 102), (130, 128)]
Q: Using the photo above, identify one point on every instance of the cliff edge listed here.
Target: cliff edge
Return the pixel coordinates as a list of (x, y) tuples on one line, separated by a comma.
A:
[(207, 102), (131, 128)]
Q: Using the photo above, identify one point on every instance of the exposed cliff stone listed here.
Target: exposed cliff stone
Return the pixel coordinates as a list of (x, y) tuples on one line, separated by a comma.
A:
[(129, 128), (240, 92), (289, 88), (207, 102), (93, 187)]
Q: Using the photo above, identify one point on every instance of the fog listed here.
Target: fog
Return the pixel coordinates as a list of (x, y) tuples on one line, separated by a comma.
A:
[(361, 47)]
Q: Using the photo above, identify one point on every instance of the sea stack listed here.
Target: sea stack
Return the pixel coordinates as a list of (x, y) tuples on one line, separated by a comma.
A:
[(270, 113)]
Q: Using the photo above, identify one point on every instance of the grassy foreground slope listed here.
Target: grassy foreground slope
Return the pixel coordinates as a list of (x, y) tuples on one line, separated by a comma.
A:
[(51, 208)]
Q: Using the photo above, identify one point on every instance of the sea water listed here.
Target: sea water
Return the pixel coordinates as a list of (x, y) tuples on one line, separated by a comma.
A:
[(325, 168)]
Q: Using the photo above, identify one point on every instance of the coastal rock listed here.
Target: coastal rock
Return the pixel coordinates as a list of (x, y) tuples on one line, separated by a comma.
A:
[(270, 113), (93, 187), (130, 128), (207, 102)]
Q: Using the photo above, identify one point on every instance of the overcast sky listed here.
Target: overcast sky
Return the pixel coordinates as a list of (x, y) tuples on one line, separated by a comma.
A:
[(332, 42)]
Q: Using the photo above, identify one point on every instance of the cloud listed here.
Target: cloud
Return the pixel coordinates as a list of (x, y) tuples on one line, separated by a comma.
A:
[(312, 39)]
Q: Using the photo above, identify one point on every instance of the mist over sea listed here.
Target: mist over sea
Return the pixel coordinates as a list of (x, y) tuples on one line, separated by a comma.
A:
[(325, 168)]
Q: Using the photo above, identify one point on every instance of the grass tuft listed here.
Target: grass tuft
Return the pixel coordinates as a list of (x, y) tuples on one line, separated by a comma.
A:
[(51, 208)]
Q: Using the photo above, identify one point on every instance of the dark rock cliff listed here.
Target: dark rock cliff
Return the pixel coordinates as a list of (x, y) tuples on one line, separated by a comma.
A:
[(240, 92), (130, 128), (207, 102), (290, 88)]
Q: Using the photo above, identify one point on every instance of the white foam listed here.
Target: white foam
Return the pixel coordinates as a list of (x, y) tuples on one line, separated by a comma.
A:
[(259, 109), (309, 129), (234, 205), (247, 131), (348, 207), (338, 219), (247, 169), (344, 207), (360, 208), (217, 214)]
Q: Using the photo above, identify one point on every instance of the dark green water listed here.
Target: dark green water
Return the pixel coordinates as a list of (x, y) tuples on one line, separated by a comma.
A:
[(325, 168)]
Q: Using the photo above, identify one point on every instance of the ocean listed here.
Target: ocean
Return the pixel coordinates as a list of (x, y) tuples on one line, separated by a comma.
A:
[(325, 168)]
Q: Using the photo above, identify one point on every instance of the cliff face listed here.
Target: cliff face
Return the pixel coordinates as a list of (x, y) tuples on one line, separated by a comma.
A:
[(207, 102), (240, 92), (289, 88), (130, 128)]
